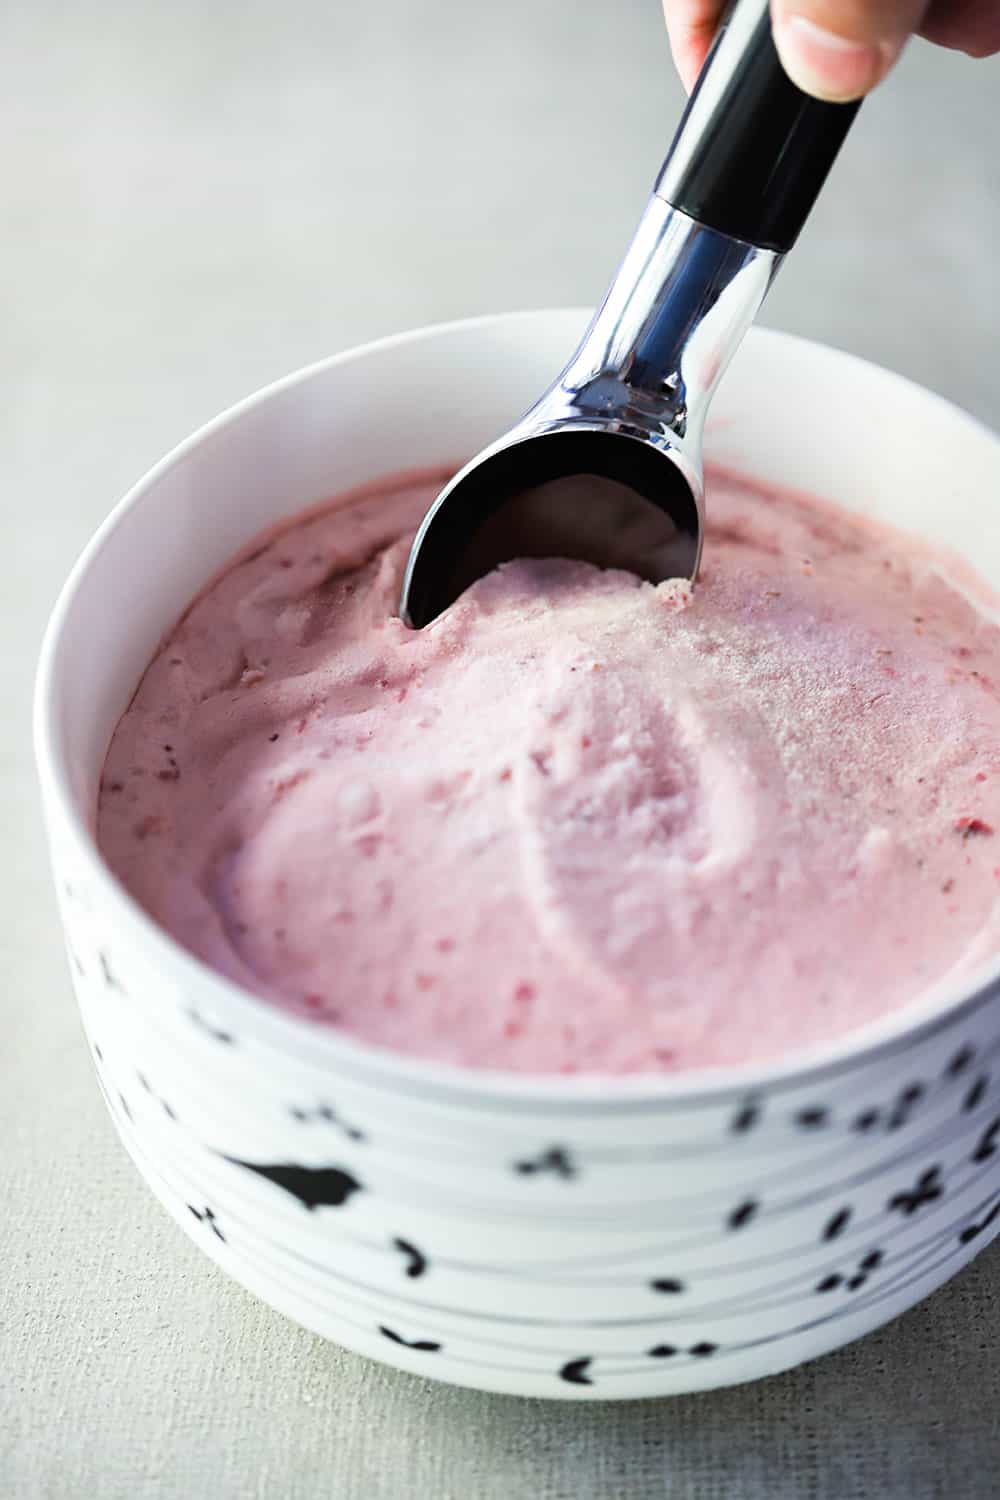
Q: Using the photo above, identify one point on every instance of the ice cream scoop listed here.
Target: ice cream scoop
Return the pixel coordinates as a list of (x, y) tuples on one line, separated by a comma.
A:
[(607, 465)]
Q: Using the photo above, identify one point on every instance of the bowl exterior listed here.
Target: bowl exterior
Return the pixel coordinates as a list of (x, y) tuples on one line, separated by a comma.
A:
[(608, 1249), (618, 1245)]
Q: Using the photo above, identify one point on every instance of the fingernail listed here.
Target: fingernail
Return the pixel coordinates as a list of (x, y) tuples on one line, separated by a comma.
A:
[(829, 66)]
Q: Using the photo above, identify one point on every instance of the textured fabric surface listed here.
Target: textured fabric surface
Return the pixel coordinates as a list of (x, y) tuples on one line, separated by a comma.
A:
[(198, 198)]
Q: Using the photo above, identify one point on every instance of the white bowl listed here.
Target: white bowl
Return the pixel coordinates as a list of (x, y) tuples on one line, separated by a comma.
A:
[(571, 1236)]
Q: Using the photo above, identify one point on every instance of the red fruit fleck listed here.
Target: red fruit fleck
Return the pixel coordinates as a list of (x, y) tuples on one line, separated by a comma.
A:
[(948, 887), (568, 1068), (285, 562), (288, 783), (152, 824), (525, 992), (445, 945), (968, 826), (401, 694), (173, 774), (116, 786), (980, 775), (314, 1001), (390, 1001), (505, 774), (424, 981), (301, 726), (664, 1054), (512, 1029), (585, 742)]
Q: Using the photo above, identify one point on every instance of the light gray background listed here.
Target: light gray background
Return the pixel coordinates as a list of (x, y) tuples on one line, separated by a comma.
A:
[(196, 197)]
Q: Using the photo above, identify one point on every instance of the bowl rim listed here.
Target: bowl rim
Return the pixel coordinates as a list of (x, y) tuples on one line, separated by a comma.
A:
[(331, 1050)]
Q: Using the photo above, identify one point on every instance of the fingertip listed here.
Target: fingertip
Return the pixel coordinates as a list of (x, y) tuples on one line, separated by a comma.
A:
[(691, 27), (828, 66)]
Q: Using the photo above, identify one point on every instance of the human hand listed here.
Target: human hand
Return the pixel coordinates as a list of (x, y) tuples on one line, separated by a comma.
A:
[(840, 49)]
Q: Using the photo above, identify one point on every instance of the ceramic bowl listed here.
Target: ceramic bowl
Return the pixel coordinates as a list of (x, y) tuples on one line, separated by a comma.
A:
[(564, 1237)]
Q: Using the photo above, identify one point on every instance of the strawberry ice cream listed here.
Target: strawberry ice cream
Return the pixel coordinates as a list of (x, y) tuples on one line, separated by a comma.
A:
[(579, 823)]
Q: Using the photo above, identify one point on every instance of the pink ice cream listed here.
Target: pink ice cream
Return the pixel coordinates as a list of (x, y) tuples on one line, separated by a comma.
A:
[(580, 822)]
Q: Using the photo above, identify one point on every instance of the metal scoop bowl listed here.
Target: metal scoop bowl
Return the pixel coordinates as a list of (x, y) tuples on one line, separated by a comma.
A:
[(607, 465)]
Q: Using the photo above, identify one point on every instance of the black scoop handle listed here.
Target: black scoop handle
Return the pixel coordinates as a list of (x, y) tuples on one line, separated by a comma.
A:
[(752, 150)]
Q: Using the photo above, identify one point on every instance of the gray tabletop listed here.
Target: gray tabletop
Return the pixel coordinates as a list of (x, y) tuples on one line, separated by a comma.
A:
[(197, 198)]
